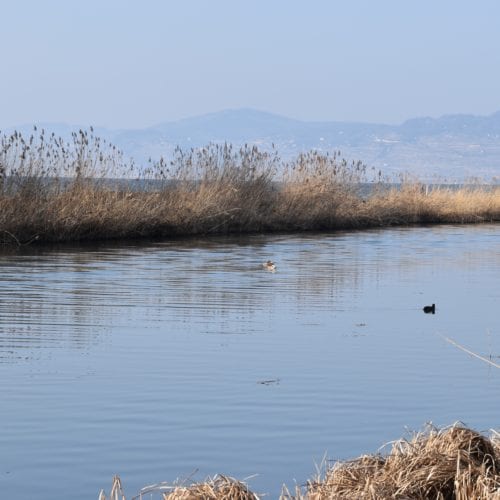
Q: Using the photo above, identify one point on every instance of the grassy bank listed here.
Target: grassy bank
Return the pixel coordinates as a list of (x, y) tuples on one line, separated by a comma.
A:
[(53, 191), (452, 463)]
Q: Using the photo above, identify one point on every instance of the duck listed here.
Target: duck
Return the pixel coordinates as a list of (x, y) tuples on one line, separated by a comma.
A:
[(269, 265), (430, 309)]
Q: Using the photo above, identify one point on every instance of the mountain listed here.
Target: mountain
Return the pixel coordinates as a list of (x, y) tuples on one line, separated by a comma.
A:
[(452, 146)]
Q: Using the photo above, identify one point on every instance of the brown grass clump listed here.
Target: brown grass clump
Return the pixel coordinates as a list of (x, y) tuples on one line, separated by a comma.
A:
[(218, 488), (317, 192), (453, 463)]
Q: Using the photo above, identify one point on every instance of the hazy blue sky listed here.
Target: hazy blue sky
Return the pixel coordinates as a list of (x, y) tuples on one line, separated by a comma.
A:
[(122, 63)]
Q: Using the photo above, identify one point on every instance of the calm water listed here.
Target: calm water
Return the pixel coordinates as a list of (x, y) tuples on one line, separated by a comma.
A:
[(147, 361)]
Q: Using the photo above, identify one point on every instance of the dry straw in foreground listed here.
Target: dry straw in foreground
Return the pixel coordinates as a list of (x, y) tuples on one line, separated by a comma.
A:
[(454, 463), (217, 488)]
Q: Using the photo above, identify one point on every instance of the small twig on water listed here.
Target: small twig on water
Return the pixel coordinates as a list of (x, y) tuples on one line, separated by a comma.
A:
[(482, 358)]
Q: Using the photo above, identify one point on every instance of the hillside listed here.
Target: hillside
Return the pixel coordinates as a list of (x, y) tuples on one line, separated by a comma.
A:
[(452, 147)]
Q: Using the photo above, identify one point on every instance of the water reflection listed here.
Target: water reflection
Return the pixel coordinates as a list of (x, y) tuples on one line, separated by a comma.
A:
[(70, 297), (148, 360)]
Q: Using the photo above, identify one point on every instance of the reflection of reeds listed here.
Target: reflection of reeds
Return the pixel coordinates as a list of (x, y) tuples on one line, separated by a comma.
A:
[(452, 463), (51, 190)]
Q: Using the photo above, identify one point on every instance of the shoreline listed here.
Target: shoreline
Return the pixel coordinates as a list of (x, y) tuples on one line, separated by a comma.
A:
[(55, 192), (88, 213)]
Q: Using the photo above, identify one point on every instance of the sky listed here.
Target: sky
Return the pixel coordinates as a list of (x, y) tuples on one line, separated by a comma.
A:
[(133, 64)]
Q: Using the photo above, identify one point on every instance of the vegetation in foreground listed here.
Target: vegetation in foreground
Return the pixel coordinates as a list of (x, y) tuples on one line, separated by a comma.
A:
[(452, 463), (54, 191), (218, 488)]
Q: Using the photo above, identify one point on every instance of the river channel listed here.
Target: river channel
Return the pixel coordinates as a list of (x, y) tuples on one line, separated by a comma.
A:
[(182, 359)]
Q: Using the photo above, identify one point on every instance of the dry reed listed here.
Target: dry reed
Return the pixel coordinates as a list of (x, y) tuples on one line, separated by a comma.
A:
[(116, 492), (52, 191), (452, 463), (217, 488)]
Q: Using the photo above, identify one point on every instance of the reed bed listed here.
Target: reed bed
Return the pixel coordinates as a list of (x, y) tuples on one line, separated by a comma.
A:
[(454, 463), (53, 190)]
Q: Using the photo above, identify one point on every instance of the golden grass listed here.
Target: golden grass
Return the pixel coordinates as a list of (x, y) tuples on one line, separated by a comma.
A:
[(412, 205), (51, 191), (116, 492), (217, 488), (453, 463)]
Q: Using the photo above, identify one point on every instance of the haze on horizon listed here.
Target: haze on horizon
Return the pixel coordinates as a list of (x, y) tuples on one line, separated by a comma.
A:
[(125, 64)]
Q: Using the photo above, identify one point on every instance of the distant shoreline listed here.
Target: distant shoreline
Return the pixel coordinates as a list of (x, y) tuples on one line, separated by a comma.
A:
[(456, 146)]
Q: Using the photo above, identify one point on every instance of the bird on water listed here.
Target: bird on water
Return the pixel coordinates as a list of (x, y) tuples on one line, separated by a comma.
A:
[(430, 309), (269, 265)]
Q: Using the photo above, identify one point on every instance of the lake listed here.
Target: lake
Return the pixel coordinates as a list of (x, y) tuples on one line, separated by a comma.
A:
[(186, 358)]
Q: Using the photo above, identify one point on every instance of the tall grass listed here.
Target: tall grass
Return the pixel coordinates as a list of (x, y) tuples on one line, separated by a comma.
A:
[(444, 464), (53, 190)]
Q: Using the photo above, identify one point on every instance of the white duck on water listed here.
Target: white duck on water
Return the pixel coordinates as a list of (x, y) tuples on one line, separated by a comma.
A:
[(269, 265)]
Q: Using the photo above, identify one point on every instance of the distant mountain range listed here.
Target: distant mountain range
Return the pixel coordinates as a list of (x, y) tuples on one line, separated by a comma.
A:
[(452, 147)]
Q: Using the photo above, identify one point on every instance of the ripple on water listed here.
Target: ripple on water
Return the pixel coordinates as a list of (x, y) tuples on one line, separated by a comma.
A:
[(147, 360)]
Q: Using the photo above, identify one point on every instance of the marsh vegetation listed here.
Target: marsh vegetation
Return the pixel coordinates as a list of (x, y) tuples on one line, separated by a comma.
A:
[(450, 463), (52, 190)]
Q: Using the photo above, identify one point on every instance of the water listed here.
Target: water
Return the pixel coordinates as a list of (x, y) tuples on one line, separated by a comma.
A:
[(149, 361)]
